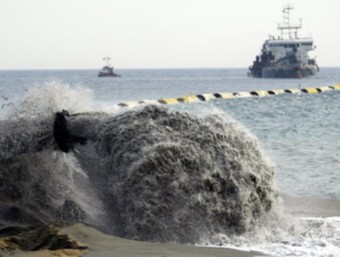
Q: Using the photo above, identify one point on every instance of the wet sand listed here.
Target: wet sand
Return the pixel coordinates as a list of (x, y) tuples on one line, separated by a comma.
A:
[(101, 245)]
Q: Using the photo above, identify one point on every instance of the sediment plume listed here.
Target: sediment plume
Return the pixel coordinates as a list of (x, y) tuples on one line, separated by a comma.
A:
[(155, 174)]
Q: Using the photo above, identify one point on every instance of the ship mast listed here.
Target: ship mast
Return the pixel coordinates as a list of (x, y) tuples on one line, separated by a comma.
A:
[(286, 28), (107, 59)]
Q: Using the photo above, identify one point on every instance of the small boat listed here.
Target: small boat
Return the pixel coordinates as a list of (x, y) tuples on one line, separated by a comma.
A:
[(107, 70), (287, 55)]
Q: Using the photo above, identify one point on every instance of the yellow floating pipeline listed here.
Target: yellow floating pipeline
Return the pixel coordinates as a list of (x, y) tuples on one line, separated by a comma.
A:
[(276, 92), (188, 99), (310, 90), (260, 93), (128, 104), (228, 95), (148, 102), (206, 97), (168, 101), (293, 91), (324, 89), (242, 94), (224, 95), (336, 87)]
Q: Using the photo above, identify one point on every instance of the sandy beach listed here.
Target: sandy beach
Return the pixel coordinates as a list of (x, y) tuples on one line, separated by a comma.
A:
[(87, 241), (93, 243), (101, 245)]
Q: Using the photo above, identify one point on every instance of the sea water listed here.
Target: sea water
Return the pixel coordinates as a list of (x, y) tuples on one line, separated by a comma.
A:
[(298, 133)]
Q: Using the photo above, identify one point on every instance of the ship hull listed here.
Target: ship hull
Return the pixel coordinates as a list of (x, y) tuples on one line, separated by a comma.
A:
[(101, 74), (268, 72), (285, 56)]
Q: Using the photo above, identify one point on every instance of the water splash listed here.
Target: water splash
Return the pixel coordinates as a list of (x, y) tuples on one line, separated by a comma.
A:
[(49, 98), (153, 173), (293, 237), (174, 177)]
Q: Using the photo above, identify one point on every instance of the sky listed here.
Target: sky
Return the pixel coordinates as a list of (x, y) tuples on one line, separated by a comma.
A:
[(77, 34)]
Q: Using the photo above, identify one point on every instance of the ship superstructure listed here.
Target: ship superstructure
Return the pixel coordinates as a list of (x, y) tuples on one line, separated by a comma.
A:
[(285, 56), (107, 70)]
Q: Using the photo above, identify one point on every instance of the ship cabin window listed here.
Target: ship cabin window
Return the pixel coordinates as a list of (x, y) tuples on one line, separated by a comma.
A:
[(289, 45)]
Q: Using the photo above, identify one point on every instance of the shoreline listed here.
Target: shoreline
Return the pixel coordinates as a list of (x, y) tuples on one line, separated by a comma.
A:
[(88, 241), (102, 245)]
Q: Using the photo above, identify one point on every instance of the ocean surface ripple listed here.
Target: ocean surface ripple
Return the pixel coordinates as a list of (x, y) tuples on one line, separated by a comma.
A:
[(185, 173)]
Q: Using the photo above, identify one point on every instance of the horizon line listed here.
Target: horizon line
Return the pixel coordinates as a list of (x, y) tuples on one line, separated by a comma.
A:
[(139, 68)]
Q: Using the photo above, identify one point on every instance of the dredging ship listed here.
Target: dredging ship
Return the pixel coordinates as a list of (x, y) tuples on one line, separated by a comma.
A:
[(285, 56), (107, 70)]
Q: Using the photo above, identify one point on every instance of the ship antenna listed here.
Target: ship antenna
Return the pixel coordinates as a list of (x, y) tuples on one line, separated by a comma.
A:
[(107, 59), (286, 27)]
